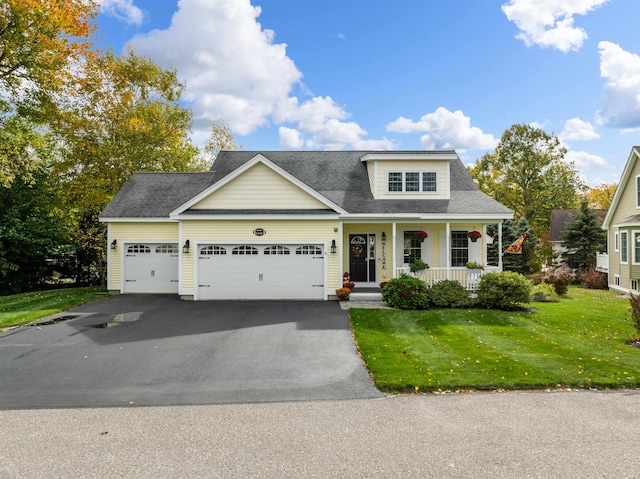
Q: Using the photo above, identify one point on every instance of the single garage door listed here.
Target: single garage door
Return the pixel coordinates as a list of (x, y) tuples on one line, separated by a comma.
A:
[(250, 271), (151, 268)]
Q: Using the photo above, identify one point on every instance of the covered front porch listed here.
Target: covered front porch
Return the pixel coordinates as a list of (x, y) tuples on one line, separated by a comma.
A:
[(374, 252)]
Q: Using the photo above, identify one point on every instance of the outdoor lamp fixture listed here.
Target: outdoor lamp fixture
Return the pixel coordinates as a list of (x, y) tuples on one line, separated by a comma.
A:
[(384, 236), (333, 246), (114, 243), (185, 248)]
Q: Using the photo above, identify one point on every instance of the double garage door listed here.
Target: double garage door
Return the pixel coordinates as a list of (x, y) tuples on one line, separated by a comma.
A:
[(151, 268), (252, 271)]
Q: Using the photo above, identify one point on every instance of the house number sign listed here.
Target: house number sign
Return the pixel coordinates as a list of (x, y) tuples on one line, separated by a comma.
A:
[(259, 232)]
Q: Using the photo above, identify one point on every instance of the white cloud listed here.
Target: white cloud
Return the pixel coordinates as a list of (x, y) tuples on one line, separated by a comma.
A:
[(577, 129), (621, 99), (290, 137), (582, 159), (446, 129), (124, 10), (549, 23), (235, 72)]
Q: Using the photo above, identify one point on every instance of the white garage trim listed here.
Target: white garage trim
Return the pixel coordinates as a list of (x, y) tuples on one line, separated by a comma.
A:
[(239, 275)]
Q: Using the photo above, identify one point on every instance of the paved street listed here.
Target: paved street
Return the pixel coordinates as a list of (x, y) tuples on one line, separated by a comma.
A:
[(483, 435)]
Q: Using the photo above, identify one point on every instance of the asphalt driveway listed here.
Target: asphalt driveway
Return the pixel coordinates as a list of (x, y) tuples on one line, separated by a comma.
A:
[(157, 350)]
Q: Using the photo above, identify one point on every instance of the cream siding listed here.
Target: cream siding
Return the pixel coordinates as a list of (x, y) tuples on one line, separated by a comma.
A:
[(277, 232), (627, 203), (371, 171), (259, 188), (441, 167), (134, 232)]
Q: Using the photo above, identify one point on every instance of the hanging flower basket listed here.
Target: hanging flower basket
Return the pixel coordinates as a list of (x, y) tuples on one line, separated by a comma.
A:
[(420, 235), (474, 235)]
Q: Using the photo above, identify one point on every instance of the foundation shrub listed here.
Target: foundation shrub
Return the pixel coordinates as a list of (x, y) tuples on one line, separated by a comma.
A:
[(503, 290), (449, 294), (406, 292)]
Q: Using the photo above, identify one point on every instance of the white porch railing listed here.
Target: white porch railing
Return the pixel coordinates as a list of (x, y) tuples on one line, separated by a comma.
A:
[(469, 278), (602, 262)]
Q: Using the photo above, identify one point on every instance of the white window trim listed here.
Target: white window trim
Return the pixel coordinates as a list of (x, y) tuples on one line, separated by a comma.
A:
[(633, 246), (404, 182), (626, 234)]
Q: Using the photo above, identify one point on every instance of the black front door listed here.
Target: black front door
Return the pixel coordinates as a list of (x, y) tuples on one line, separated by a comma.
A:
[(358, 258)]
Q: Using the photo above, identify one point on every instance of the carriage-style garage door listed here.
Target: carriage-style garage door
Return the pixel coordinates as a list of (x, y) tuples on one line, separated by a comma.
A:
[(251, 271), (151, 268)]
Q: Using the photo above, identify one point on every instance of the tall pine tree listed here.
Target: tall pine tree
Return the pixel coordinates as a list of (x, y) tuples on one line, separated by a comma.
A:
[(583, 238)]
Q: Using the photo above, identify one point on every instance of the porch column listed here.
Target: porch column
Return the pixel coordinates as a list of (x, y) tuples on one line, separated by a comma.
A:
[(500, 246), (448, 247), (393, 250)]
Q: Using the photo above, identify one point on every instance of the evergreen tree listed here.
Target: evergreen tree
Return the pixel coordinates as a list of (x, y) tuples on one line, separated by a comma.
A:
[(583, 238)]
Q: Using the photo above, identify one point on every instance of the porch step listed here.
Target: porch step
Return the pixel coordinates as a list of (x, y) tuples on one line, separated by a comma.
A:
[(365, 296)]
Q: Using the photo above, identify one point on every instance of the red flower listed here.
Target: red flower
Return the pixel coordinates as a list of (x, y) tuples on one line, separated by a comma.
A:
[(420, 235), (474, 234)]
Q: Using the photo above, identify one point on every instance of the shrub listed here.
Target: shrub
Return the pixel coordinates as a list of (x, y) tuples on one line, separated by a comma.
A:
[(504, 290), (560, 277), (593, 279), (634, 300), (449, 294), (544, 293), (418, 265), (406, 292)]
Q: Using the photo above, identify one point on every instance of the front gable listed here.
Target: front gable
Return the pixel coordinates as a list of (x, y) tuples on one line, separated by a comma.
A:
[(258, 185), (625, 207)]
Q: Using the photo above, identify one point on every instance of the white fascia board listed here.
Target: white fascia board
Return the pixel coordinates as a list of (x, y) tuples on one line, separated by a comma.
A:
[(164, 219), (624, 179), (239, 171), (205, 217), (431, 218), (409, 156)]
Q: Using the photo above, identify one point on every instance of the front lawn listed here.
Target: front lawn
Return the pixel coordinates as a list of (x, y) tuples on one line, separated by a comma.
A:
[(578, 342), (26, 307)]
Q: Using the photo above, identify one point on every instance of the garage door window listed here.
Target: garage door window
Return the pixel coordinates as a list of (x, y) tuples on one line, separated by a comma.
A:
[(138, 248), (307, 249), (213, 250), (277, 250), (167, 249), (244, 250)]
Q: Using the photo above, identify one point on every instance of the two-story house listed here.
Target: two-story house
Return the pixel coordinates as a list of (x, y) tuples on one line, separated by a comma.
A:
[(622, 223), (288, 224)]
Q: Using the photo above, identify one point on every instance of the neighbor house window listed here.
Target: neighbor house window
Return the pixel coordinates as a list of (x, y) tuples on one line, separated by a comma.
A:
[(616, 244), (459, 248), (412, 247), (634, 284), (624, 247), (637, 191), (412, 181)]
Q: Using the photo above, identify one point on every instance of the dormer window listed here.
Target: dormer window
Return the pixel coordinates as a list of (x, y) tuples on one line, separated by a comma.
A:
[(412, 181)]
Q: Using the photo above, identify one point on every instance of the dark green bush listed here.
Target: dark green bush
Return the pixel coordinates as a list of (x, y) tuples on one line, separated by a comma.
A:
[(449, 294), (504, 290), (406, 292)]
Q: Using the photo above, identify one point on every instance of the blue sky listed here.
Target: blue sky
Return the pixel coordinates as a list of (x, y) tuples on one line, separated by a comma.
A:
[(409, 74)]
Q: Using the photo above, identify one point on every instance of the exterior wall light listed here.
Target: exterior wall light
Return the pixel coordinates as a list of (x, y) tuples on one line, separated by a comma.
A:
[(384, 236), (333, 246), (114, 244), (185, 248)]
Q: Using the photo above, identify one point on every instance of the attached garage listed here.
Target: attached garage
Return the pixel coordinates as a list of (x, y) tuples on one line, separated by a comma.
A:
[(151, 268), (258, 271)]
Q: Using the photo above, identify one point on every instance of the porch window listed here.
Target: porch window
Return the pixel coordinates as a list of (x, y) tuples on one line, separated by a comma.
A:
[(412, 247), (459, 248), (624, 247)]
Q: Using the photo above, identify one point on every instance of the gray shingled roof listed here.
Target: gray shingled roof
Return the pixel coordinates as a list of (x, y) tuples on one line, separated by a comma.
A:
[(155, 195), (340, 176)]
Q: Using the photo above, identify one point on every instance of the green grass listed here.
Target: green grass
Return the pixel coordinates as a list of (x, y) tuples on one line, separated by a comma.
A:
[(578, 342), (26, 307)]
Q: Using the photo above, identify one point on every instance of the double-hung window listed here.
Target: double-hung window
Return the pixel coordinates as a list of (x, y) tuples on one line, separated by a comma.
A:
[(624, 248), (412, 181)]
